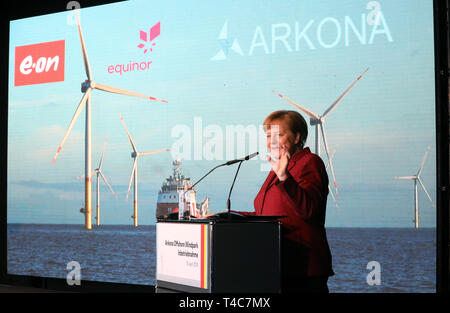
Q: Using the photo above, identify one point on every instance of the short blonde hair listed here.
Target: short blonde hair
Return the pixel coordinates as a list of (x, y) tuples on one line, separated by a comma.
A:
[(293, 120)]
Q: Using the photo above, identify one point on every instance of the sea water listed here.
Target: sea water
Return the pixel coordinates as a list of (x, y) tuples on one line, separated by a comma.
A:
[(127, 254)]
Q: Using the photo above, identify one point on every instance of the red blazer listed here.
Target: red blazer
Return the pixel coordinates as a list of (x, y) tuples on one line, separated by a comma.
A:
[(302, 197)]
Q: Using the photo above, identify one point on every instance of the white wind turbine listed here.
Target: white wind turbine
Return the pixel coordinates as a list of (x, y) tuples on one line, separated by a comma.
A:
[(99, 172), (319, 120), (416, 178), (134, 172), (86, 89)]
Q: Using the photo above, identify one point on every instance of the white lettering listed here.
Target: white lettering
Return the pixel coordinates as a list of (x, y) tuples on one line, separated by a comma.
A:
[(283, 38), (213, 149), (208, 143), (373, 17), (262, 42), (25, 65), (51, 61), (198, 138), (360, 35), (181, 148), (374, 277), (70, 18), (246, 140), (338, 32), (303, 35), (385, 29), (327, 33), (199, 303), (40, 65), (74, 276)]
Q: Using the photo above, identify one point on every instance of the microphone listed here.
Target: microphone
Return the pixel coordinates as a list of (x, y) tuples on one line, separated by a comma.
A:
[(248, 157)]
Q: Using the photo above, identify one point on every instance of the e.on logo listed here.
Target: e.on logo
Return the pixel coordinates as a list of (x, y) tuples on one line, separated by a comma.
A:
[(39, 63)]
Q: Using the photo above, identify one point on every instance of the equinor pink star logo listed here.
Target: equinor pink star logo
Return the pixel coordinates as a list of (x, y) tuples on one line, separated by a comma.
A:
[(154, 32)]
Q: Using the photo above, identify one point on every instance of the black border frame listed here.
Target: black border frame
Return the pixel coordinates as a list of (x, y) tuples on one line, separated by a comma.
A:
[(22, 9), (442, 92)]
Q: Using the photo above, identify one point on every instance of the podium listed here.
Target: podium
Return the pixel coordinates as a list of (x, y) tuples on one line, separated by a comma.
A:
[(218, 256)]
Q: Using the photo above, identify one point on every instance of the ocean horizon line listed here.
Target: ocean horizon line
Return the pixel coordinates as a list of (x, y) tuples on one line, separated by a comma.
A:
[(137, 227)]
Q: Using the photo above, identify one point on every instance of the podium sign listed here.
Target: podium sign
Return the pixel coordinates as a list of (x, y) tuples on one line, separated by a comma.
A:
[(183, 254), (205, 256)]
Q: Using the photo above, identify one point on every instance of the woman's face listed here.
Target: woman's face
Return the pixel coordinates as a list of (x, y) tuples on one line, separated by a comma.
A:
[(281, 138)]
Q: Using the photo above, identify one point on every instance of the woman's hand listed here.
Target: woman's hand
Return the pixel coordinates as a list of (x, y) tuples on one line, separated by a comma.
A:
[(280, 165)]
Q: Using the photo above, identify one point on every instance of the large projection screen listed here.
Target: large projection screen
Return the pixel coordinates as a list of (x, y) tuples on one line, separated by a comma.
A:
[(204, 76)]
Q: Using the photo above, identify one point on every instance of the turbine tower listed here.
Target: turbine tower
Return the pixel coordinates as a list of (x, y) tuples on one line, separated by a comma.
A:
[(319, 120), (134, 172), (416, 179), (86, 89)]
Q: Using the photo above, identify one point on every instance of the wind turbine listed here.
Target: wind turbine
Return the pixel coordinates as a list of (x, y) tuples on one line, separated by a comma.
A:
[(319, 120), (99, 172), (134, 172), (416, 178), (86, 89)]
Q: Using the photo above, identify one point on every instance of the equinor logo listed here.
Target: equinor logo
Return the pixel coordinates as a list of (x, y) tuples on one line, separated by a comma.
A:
[(326, 33), (147, 39), (146, 44)]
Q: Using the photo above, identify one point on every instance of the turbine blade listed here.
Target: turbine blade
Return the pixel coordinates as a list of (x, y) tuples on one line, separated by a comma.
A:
[(92, 173), (103, 153), (426, 192), (126, 92), (108, 184), (72, 122), (128, 133), (406, 177), (131, 177), (423, 160), (306, 111), (329, 158), (332, 156), (332, 195), (87, 66), (153, 152), (341, 97)]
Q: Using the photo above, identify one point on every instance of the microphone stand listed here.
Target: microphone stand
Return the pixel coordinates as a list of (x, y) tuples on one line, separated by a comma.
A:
[(191, 187), (232, 185), (234, 180), (204, 176)]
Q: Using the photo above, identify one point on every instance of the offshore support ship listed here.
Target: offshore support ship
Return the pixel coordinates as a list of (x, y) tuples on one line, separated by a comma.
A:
[(169, 195)]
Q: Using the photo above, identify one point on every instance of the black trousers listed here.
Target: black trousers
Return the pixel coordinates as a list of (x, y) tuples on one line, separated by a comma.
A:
[(313, 284)]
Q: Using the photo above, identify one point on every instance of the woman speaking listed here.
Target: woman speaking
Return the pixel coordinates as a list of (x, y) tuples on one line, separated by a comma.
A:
[(297, 187)]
